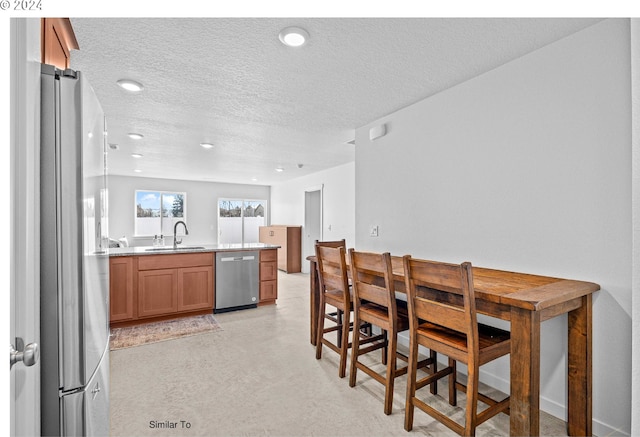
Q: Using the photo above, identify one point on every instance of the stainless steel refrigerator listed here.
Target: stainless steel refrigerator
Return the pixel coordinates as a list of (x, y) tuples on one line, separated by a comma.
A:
[(74, 265)]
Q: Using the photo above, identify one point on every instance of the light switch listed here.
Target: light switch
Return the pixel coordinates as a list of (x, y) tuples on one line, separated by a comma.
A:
[(374, 231)]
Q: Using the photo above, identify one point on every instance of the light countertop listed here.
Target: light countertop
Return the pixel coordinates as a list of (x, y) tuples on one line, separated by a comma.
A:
[(150, 250)]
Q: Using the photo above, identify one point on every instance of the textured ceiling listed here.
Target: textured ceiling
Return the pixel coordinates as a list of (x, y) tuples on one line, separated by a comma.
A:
[(230, 81)]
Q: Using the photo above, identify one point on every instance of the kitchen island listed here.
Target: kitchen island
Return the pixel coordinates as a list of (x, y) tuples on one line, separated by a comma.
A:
[(149, 284)]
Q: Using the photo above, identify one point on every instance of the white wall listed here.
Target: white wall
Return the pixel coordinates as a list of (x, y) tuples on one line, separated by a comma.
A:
[(202, 205), (287, 200), (525, 168)]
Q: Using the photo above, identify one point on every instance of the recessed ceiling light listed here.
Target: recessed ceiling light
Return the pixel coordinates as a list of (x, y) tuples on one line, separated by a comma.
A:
[(206, 145), (136, 155), (135, 136), (130, 85), (254, 179), (279, 169), (137, 170), (293, 36)]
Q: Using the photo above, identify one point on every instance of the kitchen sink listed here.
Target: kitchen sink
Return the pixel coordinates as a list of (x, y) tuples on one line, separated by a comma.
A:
[(166, 249)]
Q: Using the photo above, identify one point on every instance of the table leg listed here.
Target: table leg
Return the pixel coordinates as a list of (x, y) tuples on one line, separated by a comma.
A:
[(314, 298), (525, 373), (579, 370)]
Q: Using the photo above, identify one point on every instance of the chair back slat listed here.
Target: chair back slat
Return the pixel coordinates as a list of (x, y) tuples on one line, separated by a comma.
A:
[(373, 293), (334, 243), (442, 314), (437, 276)]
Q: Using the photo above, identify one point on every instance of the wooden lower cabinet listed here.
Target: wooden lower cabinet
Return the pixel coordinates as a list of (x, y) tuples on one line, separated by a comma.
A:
[(121, 288), (268, 276), (147, 287)]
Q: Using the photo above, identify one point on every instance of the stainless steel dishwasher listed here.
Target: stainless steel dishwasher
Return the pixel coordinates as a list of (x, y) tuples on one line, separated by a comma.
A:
[(237, 280)]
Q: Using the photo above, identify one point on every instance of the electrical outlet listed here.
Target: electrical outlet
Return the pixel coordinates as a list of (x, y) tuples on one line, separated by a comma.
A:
[(374, 231)]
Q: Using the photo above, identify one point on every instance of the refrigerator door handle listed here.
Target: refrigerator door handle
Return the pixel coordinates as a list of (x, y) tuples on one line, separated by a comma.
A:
[(28, 356)]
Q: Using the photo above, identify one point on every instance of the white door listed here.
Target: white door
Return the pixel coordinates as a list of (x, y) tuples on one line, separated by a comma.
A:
[(24, 221), (312, 222)]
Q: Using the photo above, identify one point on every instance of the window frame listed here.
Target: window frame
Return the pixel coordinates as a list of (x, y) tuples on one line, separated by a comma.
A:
[(264, 202), (161, 194)]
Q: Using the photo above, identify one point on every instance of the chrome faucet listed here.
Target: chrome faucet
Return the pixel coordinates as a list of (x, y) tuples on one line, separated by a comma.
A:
[(175, 237)]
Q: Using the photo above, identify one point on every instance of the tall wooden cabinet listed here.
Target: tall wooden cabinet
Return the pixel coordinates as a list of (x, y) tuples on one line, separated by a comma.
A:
[(289, 240)]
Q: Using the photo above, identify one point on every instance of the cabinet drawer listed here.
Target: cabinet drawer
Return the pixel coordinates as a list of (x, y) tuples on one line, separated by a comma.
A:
[(268, 255), (171, 261), (268, 271)]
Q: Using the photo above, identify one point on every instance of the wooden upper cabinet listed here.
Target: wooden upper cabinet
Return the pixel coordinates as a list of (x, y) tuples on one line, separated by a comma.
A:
[(58, 39)]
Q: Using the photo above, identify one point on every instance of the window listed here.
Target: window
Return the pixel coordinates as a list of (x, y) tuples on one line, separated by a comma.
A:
[(158, 211), (239, 220)]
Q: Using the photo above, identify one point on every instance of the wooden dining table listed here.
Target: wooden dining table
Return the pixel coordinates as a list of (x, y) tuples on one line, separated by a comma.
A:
[(525, 300)]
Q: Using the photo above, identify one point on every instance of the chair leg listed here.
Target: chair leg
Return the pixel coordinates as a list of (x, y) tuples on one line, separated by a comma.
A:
[(472, 403), (391, 373), (453, 378), (320, 333), (385, 349), (344, 345), (355, 350), (340, 326), (411, 383), (434, 369)]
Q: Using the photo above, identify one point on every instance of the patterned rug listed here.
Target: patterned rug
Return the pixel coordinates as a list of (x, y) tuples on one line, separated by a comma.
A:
[(138, 335)]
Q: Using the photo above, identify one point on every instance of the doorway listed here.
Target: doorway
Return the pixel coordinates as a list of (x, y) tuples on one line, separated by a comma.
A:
[(312, 222)]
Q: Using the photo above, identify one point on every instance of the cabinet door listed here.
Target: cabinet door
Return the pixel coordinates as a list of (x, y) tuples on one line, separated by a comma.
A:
[(121, 288), (157, 292), (195, 288), (268, 290)]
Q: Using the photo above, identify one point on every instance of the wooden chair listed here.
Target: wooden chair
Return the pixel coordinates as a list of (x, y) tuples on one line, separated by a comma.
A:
[(335, 316), (374, 302), (442, 316), (334, 291)]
